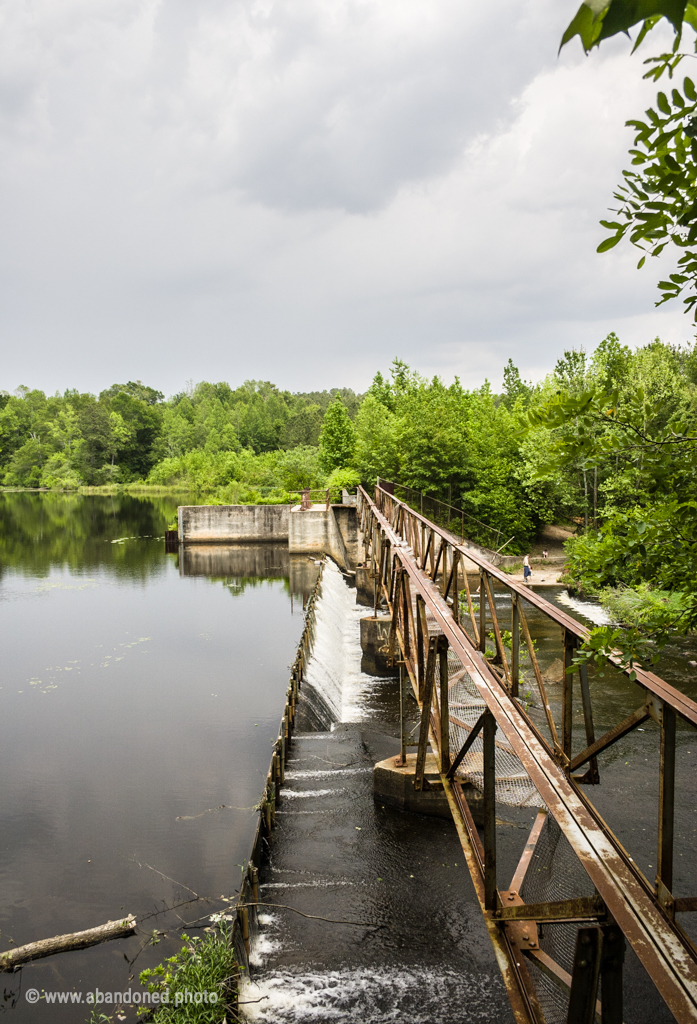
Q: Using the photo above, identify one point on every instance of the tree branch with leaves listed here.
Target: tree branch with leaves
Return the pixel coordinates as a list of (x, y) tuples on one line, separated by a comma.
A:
[(658, 197)]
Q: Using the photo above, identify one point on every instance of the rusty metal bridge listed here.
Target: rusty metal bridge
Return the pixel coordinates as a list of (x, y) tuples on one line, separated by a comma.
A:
[(480, 730)]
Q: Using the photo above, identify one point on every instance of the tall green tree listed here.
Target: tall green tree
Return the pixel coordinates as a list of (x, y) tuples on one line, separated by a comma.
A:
[(376, 445), (337, 439), (514, 388)]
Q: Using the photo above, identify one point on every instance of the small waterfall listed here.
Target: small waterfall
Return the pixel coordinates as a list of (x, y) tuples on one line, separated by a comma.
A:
[(334, 688), (591, 610), (350, 867)]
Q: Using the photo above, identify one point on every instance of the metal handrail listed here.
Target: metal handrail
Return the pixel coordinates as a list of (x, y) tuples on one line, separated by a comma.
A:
[(461, 514), (411, 556), (683, 705)]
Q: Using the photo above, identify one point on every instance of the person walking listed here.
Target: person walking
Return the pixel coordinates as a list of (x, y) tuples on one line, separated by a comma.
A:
[(527, 571)]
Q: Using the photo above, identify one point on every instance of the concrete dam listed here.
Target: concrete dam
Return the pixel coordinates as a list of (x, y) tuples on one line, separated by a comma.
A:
[(427, 849)]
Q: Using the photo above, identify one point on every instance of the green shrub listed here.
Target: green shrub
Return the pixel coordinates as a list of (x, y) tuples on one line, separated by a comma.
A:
[(203, 965), (344, 478), (642, 606)]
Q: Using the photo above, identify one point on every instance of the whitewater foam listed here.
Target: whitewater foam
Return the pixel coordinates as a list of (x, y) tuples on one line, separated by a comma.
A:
[(334, 668), (591, 610), (373, 996)]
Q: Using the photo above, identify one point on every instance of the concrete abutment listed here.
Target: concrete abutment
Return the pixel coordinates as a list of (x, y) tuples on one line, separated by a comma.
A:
[(315, 531)]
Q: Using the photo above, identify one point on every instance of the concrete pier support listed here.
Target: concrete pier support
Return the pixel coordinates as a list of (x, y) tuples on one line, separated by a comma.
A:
[(365, 587), (375, 635), (393, 786)]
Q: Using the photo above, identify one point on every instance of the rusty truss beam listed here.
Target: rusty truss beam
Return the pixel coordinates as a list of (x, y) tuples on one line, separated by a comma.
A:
[(419, 569)]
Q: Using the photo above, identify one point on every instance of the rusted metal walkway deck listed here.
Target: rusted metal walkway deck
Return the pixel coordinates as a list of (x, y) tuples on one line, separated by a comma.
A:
[(468, 694)]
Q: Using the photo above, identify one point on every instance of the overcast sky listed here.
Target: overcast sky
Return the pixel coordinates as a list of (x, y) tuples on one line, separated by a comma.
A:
[(301, 191)]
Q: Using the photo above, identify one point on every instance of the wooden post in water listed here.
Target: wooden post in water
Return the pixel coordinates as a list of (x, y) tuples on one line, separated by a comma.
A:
[(276, 776), (254, 881), (243, 918)]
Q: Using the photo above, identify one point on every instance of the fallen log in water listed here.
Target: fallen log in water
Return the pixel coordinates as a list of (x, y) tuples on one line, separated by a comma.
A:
[(12, 958)]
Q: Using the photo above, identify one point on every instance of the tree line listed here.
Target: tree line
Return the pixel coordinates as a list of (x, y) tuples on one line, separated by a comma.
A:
[(514, 460)]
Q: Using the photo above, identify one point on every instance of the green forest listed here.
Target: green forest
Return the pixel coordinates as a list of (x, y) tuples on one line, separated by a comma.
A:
[(513, 460), (604, 444)]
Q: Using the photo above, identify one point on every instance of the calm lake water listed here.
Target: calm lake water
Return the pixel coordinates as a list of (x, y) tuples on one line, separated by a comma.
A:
[(138, 702)]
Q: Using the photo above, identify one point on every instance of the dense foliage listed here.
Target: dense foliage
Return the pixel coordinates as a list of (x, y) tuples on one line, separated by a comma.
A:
[(629, 428), (511, 462), (208, 434), (257, 443), (641, 557)]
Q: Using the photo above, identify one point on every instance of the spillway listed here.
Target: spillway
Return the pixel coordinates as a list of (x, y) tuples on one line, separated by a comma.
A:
[(415, 948)]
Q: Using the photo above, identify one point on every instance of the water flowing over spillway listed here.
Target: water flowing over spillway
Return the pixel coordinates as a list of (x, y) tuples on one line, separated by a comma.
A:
[(372, 996), (591, 610), (368, 912), (377, 943), (337, 690)]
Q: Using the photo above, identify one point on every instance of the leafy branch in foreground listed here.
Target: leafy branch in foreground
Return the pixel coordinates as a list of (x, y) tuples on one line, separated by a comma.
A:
[(604, 426), (658, 202), (654, 617), (629, 648), (597, 20)]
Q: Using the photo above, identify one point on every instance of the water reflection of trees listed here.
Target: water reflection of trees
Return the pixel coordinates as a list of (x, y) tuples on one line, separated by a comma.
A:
[(237, 585), (41, 531)]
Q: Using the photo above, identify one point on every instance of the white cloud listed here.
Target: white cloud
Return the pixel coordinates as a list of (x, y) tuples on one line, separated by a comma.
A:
[(300, 192)]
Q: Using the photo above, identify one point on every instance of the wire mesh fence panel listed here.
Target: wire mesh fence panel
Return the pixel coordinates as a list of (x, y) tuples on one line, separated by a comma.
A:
[(465, 706), (555, 873), (553, 999)]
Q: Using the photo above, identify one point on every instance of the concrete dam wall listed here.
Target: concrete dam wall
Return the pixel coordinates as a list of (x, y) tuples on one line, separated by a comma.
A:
[(232, 524), (313, 531)]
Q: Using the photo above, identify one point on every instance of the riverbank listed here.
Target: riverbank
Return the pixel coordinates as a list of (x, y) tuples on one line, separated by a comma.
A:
[(544, 573)]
